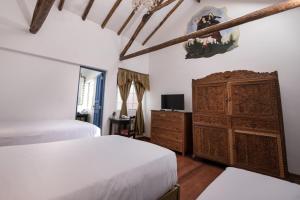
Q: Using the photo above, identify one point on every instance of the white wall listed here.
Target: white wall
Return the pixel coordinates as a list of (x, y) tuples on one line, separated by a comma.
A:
[(266, 45), (34, 88), (63, 44)]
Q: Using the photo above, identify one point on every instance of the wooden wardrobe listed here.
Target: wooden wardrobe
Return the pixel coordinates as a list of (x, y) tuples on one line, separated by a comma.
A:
[(237, 121)]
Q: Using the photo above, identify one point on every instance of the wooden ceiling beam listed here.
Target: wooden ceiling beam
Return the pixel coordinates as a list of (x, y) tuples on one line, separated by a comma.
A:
[(126, 22), (61, 4), (111, 12), (41, 11), (133, 13), (87, 9), (143, 22), (259, 14), (163, 21), (164, 4)]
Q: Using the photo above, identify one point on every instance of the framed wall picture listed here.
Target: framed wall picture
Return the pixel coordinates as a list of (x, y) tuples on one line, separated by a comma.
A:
[(215, 43)]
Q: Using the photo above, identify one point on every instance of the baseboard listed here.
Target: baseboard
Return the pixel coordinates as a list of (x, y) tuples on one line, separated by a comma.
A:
[(294, 178), (144, 138)]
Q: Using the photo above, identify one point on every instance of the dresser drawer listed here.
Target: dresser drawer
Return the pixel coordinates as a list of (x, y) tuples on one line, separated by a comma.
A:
[(167, 143), (172, 130), (168, 116), (167, 134), (168, 125)]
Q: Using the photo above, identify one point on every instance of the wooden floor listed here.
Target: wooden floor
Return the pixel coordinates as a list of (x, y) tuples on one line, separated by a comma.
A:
[(194, 176)]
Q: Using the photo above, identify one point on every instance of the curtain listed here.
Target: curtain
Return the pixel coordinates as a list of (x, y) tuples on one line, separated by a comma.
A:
[(139, 118), (125, 76), (124, 91), (141, 83)]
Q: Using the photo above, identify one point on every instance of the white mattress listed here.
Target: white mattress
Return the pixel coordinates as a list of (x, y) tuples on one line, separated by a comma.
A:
[(31, 132), (237, 184), (103, 168)]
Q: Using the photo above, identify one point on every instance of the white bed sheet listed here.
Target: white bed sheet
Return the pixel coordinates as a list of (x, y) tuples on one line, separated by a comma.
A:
[(103, 168), (238, 184), (31, 132)]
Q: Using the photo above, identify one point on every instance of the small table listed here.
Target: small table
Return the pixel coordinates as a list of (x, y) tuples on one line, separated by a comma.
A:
[(82, 117), (119, 122)]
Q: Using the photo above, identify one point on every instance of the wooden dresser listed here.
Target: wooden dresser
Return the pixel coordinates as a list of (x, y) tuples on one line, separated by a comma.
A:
[(237, 120), (172, 130)]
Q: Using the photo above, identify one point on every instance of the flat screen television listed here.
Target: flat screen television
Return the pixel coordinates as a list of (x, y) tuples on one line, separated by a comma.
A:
[(172, 102)]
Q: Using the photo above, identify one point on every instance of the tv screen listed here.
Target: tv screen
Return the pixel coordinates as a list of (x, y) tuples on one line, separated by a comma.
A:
[(172, 101)]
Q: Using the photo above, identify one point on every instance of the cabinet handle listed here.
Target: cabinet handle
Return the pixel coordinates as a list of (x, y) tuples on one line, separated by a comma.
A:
[(227, 99)]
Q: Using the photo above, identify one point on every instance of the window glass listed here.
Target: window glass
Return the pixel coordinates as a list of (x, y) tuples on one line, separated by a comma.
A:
[(132, 102)]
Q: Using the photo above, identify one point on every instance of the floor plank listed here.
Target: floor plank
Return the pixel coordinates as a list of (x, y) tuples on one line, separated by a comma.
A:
[(194, 176)]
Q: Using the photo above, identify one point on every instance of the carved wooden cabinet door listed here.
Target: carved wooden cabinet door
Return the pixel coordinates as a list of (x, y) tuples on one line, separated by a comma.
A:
[(253, 98), (237, 120), (211, 143), (258, 152), (210, 98)]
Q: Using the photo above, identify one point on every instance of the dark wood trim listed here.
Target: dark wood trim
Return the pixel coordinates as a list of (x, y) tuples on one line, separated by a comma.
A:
[(87, 9), (164, 4), (262, 13), (144, 138), (126, 22), (173, 194), (61, 4), (295, 178), (163, 21), (111, 12), (143, 22), (41, 11)]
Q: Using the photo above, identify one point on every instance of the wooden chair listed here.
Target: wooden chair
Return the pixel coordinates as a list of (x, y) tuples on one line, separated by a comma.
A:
[(129, 130)]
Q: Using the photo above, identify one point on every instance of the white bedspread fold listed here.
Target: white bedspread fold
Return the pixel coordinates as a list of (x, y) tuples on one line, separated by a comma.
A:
[(106, 168), (32, 132)]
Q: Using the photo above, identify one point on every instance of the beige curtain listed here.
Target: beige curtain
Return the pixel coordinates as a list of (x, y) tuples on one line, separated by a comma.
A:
[(139, 117), (141, 83), (125, 76), (124, 91)]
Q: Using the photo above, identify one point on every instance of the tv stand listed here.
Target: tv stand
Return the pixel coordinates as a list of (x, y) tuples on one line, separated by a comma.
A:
[(172, 129)]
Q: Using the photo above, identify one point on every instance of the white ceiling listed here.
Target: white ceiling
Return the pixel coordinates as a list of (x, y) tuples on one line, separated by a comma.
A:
[(101, 8), (181, 16)]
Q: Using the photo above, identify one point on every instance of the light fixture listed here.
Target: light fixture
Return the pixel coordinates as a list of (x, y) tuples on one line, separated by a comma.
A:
[(145, 4)]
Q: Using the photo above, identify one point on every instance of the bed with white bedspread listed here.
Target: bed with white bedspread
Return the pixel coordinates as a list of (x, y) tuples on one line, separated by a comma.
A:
[(106, 168), (31, 132), (238, 184)]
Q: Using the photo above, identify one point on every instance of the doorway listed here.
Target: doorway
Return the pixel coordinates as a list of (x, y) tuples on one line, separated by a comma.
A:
[(90, 98)]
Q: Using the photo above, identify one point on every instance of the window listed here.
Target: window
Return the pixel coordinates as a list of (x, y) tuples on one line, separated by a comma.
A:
[(90, 86), (132, 102), (88, 96)]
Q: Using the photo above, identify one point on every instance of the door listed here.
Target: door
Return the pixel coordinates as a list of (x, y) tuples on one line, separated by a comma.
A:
[(258, 151), (253, 98), (99, 100), (210, 98), (211, 143)]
